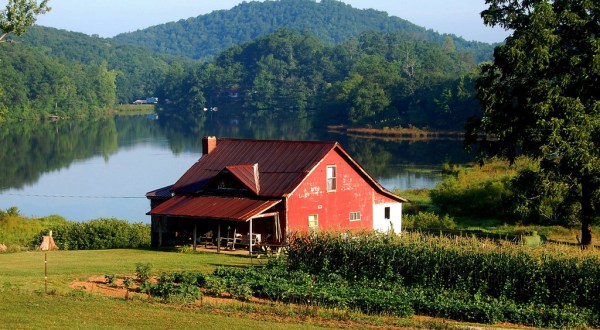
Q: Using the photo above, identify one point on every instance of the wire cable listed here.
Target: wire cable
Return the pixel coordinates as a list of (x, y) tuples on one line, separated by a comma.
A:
[(73, 196)]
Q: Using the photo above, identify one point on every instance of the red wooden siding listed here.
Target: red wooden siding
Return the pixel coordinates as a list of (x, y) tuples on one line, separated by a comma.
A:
[(353, 194)]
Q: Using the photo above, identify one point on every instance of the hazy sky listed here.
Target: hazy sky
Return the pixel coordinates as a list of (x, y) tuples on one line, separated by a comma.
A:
[(110, 17)]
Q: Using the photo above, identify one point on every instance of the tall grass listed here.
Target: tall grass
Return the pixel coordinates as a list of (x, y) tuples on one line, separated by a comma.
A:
[(479, 191), (18, 232)]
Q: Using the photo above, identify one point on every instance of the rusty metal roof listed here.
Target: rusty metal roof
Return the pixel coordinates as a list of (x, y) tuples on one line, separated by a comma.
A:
[(248, 175), (282, 165), (213, 207)]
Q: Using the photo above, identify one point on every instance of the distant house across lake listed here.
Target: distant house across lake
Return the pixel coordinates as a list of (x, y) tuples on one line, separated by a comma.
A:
[(150, 100), (265, 189)]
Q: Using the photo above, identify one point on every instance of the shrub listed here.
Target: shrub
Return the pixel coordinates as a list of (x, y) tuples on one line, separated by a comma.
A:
[(100, 234), (111, 279), (176, 287), (142, 271), (428, 220), (215, 286)]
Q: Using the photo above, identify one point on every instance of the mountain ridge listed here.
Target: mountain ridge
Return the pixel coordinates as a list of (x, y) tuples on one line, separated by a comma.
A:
[(332, 21)]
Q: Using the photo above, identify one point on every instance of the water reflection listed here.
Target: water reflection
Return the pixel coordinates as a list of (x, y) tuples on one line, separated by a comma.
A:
[(102, 168)]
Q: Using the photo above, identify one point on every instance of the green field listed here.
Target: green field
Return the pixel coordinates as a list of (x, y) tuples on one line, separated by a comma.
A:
[(25, 305)]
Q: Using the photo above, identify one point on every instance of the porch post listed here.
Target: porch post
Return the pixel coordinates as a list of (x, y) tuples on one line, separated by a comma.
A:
[(277, 228), (234, 237), (251, 237), (159, 221), (219, 237), (195, 243)]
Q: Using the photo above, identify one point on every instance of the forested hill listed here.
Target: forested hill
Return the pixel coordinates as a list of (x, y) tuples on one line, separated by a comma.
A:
[(331, 21), (136, 68)]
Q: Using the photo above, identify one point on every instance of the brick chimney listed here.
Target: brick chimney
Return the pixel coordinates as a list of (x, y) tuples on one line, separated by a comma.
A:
[(209, 143)]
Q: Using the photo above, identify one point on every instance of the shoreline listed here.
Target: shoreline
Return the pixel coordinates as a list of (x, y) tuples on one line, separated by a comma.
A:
[(409, 134)]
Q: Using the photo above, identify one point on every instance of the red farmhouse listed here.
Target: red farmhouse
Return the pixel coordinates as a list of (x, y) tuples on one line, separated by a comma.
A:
[(266, 189)]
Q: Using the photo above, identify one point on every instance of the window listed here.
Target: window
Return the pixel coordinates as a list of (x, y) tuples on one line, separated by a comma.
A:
[(387, 213), (331, 178), (354, 216), (313, 221)]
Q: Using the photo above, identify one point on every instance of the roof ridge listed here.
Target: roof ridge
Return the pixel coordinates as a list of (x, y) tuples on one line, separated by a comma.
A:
[(275, 140)]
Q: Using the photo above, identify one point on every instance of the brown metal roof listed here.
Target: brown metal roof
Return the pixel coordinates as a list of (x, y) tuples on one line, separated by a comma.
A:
[(282, 165), (212, 207), (248, 175)]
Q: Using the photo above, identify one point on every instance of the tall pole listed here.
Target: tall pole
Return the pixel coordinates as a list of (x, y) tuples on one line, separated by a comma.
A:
[(46, 272)]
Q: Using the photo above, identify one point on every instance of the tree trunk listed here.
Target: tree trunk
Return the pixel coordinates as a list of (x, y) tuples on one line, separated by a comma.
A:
[(587, 212), (586, 235)]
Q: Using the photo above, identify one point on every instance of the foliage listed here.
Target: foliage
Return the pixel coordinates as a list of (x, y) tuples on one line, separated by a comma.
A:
[(463, 279), (142, 271), (331, 21), (36, 86), (127, 283), (138, 70), (428, 220), (111, 279), (547, 275), (19, 15), (17, 231), (177, 287), (540, 98), (377, 80), (480, 192), (100, 234)]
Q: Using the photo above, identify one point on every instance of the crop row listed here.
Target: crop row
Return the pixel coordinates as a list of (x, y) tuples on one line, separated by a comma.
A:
[(543, 275), (276, 282)]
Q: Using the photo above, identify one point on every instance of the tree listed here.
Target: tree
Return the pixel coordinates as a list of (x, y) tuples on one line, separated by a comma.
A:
[(540, 96), (20, 15)]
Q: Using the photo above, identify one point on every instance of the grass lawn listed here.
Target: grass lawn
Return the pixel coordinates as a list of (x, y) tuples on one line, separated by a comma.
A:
[(26, 310), (25, 270), (23, 304)]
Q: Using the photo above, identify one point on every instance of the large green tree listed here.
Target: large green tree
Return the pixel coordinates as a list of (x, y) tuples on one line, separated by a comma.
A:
[(20, 15), (540, 96)]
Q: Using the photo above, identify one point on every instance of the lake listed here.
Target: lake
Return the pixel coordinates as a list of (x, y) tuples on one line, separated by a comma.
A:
[(102, 168)]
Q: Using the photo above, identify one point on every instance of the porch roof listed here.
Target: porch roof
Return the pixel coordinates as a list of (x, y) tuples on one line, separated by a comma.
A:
[(213, 207)]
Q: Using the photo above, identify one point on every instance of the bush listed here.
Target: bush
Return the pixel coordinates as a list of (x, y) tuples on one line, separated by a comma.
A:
[(176, 287), (100, 234), (428, 220), (142, 271), (215, 286), (19, 233), (484, 199)]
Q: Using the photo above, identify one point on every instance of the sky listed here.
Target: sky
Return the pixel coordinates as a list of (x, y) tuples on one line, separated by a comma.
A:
[(108, 18)]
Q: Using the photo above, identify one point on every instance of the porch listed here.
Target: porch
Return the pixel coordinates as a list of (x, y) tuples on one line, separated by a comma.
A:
[(220, 221), (261, 234)]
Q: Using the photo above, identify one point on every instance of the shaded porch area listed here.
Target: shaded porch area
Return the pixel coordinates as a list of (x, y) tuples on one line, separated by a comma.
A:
[(219, 223)]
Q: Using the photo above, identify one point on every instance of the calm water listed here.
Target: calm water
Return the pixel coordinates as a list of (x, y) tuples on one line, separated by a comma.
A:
[(85, 170)]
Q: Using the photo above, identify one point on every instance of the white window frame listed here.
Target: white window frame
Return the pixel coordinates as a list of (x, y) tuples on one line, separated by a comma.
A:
[(331, 177), (313, 221), (355, 216)]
